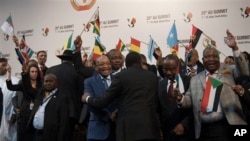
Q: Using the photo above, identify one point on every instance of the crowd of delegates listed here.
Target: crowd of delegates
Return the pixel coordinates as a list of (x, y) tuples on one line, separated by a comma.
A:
[(123, 98)]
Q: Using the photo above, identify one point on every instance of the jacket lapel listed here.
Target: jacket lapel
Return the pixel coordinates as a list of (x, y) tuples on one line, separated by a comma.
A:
[(202, 78)]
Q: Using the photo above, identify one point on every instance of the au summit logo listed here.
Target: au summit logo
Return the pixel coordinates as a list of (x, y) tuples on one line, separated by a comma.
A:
[(83, 5), (131, 22), (245, 12), (187, 17), (45, 31)]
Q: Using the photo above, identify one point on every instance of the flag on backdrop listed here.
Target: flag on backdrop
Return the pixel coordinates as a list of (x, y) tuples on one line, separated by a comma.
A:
[(151, 47), (196, 34), (98, 49), (67, 44), (8, 27), (172, 40), (120, 45), (135, 45), (95, 21)]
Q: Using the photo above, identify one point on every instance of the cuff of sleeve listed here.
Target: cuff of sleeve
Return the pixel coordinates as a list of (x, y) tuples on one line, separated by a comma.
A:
[(87, 98), (179, 103), (242, 93), (236, 53)]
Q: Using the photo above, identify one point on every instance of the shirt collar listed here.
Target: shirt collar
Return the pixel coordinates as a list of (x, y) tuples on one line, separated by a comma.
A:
[(108, 77), (207, 72), (194, 67)]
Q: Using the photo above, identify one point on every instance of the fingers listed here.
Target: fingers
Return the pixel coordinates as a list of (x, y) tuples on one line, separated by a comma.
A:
[(8, 68), (238, 89)]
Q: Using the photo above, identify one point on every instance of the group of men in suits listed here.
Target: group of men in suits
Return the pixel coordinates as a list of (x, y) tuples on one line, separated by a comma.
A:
[(182, 110)]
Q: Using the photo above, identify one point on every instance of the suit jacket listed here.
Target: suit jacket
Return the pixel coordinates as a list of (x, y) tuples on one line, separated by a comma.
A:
[(137, 117), (55, 117), (70, 85), (99, 123), (229, 100), (171, 115)]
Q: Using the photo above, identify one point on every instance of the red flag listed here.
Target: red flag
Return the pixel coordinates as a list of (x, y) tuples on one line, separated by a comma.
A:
[(196, 34), (135, 45)]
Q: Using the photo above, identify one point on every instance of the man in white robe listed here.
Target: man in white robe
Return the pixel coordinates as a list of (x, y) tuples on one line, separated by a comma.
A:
[(7, 130)]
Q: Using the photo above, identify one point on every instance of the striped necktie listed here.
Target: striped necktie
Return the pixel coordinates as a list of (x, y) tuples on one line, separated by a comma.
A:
[(105, 82), (205, 98)]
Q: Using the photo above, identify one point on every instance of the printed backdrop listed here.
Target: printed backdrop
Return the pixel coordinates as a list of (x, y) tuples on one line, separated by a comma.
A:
[(48, 24)]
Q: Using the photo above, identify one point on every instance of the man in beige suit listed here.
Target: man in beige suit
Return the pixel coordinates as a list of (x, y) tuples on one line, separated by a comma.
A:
[(213, 115)]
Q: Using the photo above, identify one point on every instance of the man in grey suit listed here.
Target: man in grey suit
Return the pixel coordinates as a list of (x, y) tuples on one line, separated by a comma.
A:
[(213, 115), (136, 92)]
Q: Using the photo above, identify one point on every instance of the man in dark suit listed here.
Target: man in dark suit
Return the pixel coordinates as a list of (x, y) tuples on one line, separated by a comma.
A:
[(101, 121), (49, 117), (176, 124), (192, 64), (41, 57), (214, 108), (117, 61), (136, 92), (70, 85)]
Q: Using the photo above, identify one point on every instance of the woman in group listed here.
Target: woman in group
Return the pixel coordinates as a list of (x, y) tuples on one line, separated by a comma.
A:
[(29, 86)]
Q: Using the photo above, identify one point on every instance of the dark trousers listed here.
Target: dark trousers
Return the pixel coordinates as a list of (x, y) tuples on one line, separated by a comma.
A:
[(215, 131), (38, 136)]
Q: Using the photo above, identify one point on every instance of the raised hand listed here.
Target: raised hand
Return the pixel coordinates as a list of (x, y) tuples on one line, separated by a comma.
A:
[(230, 41), (78, 43)]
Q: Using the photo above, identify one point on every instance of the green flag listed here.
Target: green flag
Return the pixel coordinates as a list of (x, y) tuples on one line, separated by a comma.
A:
[(215, 82)]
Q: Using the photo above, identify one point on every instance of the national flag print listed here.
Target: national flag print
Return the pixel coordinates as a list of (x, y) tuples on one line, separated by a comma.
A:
[(196, 34), (25, 51), (135, 45), (7, 27), (120, 46), (98, 49), (95, 21), (151, 47), (215, 82), (175, 50), (211, 97), (67, 44), (20, 56), (172, 40), (98, 43), (96, 52)]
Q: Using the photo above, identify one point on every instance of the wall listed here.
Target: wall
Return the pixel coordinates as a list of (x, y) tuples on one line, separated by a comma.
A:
[(153, 18)]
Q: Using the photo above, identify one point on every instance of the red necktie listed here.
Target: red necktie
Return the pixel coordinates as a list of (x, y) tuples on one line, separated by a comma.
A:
[(170, 97), (205, 98)]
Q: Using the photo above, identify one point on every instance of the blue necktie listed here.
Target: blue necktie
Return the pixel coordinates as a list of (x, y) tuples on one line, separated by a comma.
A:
[(105, 82)]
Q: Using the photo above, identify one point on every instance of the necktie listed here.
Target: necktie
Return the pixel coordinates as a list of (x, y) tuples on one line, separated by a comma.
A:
[(191, 71), (205, 98), (170, 97), (105, 82)]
